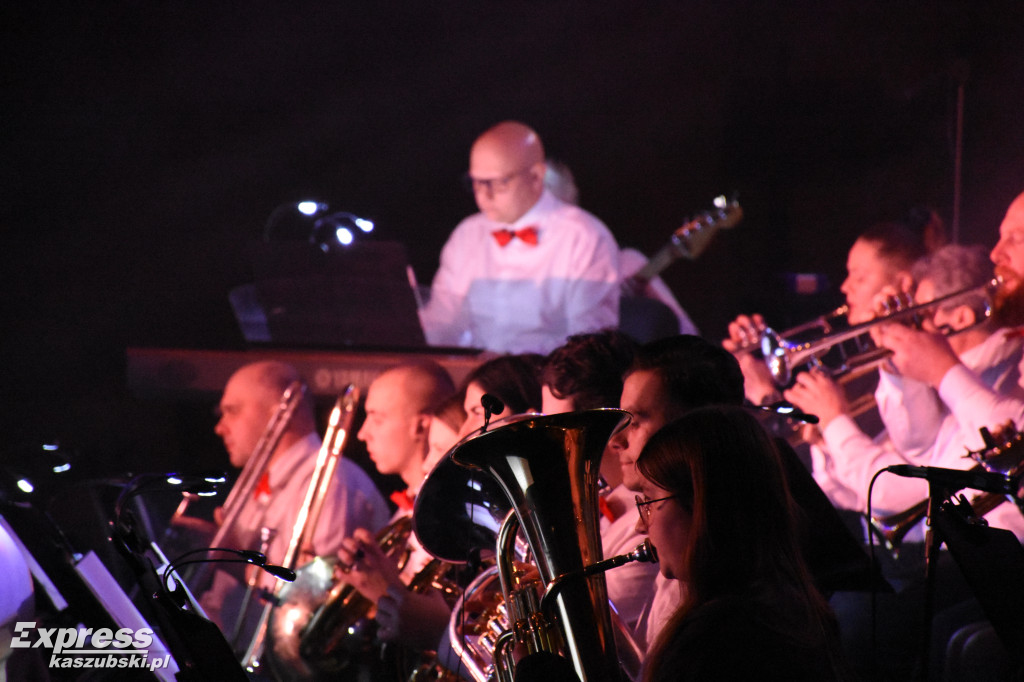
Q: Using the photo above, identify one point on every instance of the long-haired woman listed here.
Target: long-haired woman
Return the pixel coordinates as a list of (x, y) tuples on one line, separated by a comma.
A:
[(717, 507)]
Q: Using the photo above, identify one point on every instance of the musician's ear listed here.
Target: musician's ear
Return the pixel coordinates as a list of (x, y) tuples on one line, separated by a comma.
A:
[(422, 425)]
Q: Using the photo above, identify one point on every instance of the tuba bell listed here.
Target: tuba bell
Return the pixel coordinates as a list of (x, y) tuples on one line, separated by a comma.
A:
[(547, 467)]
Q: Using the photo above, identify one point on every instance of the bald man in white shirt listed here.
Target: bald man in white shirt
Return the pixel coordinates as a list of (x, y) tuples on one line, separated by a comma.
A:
[(528, 270)]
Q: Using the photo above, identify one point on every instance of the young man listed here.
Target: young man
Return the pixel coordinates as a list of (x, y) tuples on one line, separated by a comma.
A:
[(586, 374), (399, 405), (673, 376)]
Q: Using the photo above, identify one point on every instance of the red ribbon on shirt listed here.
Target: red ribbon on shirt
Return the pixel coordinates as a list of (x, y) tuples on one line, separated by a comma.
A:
[(606, 509), (528, 235), (402, 500), (262, 486)]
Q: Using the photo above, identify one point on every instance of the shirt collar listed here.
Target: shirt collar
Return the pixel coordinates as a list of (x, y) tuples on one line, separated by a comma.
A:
[(547, 203)]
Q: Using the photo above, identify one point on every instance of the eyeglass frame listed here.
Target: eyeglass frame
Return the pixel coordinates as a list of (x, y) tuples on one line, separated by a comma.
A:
[(492, 185), (643, 506)]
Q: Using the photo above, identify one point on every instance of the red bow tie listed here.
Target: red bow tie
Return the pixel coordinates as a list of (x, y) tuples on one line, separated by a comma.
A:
[(527, 234), (402, 499)]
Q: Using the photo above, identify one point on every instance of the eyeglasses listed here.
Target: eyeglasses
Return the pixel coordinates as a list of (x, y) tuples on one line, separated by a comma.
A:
[(643, 506), (492, 185)]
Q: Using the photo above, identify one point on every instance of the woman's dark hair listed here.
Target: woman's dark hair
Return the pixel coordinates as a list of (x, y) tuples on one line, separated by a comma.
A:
[(589, 368), (897, 244), (451, 411), (726, 471), (694, 371), (512, 379)]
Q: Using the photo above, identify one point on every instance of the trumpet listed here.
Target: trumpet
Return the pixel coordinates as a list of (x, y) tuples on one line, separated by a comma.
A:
[(891, 530), (782, 355)]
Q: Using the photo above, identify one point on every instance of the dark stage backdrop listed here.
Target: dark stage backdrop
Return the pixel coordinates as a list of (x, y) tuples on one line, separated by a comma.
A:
[(144, 144)]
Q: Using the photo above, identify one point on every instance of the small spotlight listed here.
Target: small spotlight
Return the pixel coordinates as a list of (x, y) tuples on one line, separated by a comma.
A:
[(25, 485), (310, 207), (51, 447), (174, 480), (344, 235), (364, 224), (61, 468)]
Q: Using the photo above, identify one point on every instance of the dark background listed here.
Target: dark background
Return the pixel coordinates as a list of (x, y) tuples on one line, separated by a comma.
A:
[(145, 144)]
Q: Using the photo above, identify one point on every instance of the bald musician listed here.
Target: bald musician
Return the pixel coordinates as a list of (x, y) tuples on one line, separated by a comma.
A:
[(250, 400), (399, 409), (529, 269)]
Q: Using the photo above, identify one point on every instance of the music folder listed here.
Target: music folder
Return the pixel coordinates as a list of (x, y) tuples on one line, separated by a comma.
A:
[(356, 297)]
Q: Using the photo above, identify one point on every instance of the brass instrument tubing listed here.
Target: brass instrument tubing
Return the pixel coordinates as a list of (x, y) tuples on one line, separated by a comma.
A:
[(301, 537), (252, 471), (795, 353), (893, 528)]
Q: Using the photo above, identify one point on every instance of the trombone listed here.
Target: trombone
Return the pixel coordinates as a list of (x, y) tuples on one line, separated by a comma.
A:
[(783, 355), (892, 529), (300, 544), (254, 468)]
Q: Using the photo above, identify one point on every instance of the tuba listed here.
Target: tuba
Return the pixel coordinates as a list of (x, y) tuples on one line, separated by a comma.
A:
[(547, 468)]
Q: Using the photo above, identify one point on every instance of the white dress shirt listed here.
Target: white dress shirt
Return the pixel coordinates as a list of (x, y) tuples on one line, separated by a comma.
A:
[(984, 390)]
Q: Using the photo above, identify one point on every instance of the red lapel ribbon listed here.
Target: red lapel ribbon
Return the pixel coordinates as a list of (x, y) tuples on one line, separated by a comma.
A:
[(527, 234), (606, 509), (402, 500), (262, 486)]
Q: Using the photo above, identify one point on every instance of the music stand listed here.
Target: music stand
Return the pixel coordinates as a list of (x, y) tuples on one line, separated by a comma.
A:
[(356, 297), (992, 561)]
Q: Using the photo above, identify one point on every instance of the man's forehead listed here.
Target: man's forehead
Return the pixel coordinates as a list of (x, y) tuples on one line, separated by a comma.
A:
[(389, 394), (642, 388), (243, 389), (1014, 220)]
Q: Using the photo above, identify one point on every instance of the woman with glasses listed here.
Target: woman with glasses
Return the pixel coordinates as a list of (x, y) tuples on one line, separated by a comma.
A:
[(717, 507)]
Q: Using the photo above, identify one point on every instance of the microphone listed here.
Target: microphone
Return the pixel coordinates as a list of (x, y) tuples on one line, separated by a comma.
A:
[(203, 484), (785, 408), (955, 479), (241, 556), (491, 407), (282, 572)]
